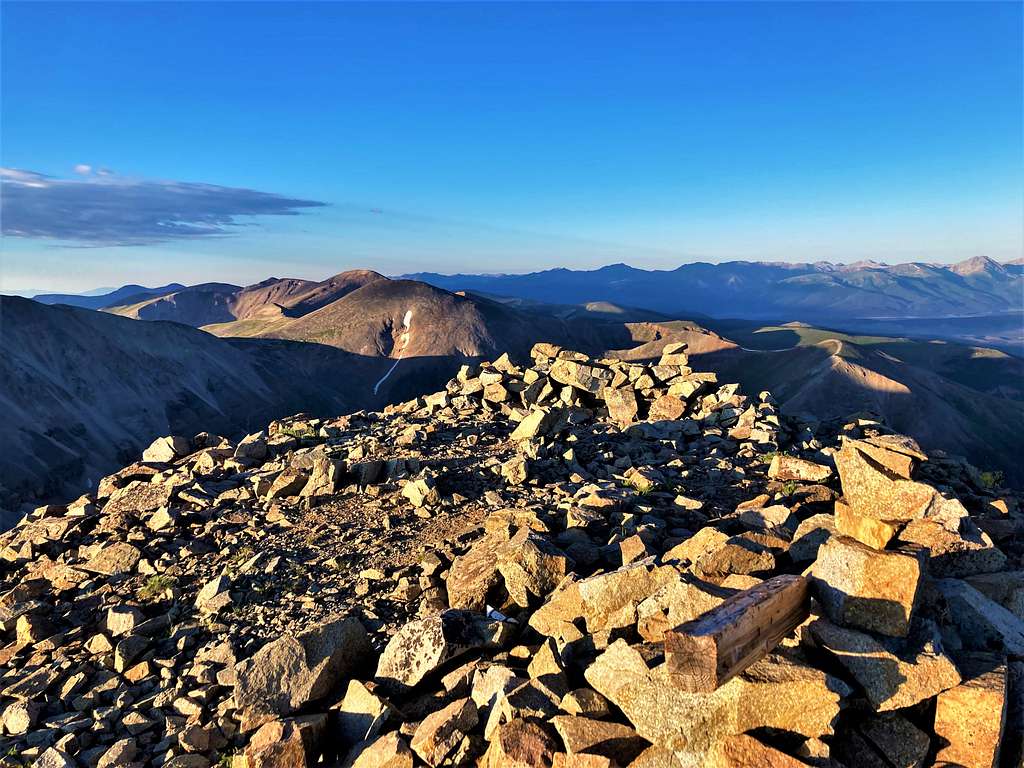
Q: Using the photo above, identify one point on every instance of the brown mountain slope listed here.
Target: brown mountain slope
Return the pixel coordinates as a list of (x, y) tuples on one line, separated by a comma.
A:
[(649, 339), (331, 289), (833, 379), (267, 301), (371, 321)]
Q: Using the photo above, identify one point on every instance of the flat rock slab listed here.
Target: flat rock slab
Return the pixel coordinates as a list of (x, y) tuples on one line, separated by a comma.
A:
[(889, 682)]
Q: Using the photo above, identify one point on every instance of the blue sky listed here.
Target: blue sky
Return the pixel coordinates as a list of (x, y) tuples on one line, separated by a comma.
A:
[(234, 141)]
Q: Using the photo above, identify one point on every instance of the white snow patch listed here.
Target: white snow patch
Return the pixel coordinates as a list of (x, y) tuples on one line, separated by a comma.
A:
[(403, 342)]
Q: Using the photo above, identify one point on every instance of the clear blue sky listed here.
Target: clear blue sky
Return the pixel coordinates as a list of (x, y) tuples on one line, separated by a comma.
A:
[(493, 137)]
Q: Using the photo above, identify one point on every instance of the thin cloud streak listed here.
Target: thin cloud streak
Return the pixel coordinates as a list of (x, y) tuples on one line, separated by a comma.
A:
[(105, 210)]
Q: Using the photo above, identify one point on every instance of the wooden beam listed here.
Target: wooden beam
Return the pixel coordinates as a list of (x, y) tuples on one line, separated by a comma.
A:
[(704, 653)]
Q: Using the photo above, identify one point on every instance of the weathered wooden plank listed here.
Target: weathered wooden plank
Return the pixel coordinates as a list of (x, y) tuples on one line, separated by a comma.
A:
[(704, 653)]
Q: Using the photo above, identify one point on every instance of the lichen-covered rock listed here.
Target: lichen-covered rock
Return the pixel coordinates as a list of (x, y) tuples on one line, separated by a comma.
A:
[(422, 647)]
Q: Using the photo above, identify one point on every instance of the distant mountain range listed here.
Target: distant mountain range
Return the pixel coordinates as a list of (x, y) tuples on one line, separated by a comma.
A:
[(762, 290), (83, 391), (93, 300)]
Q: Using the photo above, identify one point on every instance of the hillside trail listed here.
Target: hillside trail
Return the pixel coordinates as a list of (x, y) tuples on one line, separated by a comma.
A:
[(403, 342)]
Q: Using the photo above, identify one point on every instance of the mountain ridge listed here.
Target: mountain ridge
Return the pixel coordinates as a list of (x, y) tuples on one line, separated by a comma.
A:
[(765, 289)]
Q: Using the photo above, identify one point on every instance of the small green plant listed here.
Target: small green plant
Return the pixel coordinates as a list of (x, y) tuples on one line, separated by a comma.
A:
[(789, 487), (642, 488), (241, 555), (227, 760), (991, 479), (298, 434), (155, 586)]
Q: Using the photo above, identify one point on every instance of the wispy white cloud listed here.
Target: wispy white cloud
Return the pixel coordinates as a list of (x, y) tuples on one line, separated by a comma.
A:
[(105, 209)]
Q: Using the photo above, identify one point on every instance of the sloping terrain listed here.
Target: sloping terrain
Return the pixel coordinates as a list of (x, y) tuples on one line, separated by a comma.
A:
[(264, 303), (766, 290), (444, 329), (556, 566), (962, 400), (81, 391), (122, 295), (193, 305)]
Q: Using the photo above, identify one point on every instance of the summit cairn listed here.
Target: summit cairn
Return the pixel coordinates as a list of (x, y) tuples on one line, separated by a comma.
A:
[(568, 562)]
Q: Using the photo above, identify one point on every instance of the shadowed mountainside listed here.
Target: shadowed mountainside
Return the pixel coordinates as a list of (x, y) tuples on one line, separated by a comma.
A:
[(119, 296), (82, 391)]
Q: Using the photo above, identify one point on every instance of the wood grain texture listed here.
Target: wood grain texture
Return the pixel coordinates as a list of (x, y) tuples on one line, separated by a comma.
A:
[(704, 653)]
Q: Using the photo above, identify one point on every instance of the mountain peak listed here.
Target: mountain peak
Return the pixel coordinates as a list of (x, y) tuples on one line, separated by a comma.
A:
[(977, 265)]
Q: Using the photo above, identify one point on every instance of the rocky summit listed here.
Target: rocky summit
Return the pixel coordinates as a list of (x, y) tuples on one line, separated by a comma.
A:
[(580, 563)]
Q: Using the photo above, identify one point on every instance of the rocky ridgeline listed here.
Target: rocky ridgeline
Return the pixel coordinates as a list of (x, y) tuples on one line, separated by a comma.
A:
[(581, 563)]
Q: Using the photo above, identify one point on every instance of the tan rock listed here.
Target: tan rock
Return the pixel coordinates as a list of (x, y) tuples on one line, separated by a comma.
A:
[(167, 449), (703, 544), (422, 492), (622, 405), (515, 470), (897, 453), (964, 551), (971, 718), (138, 497), (586, 702), (866, 529), (785, 467), (586, 378), (421, 647), (546, 661), (291, 743), (531, 566), (19, 717), (475, 573), (325, 476), (889, 681), (680, 600), (810, 535), (114, 559), (744, 751), (674, 354), (776, 692), (491, 683), (388, 751), (598, 737), (294, 670), (656, 757), (540, 422), (667, 408), (440, 732), (361, 714), (582, 760), (862, 587), (520, 744), (872, 489), (54, 758), (290, 482), (605, 601), (981, 623)]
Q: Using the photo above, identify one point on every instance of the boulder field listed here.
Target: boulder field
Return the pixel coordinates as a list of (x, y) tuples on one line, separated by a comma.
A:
[(580, 563)]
